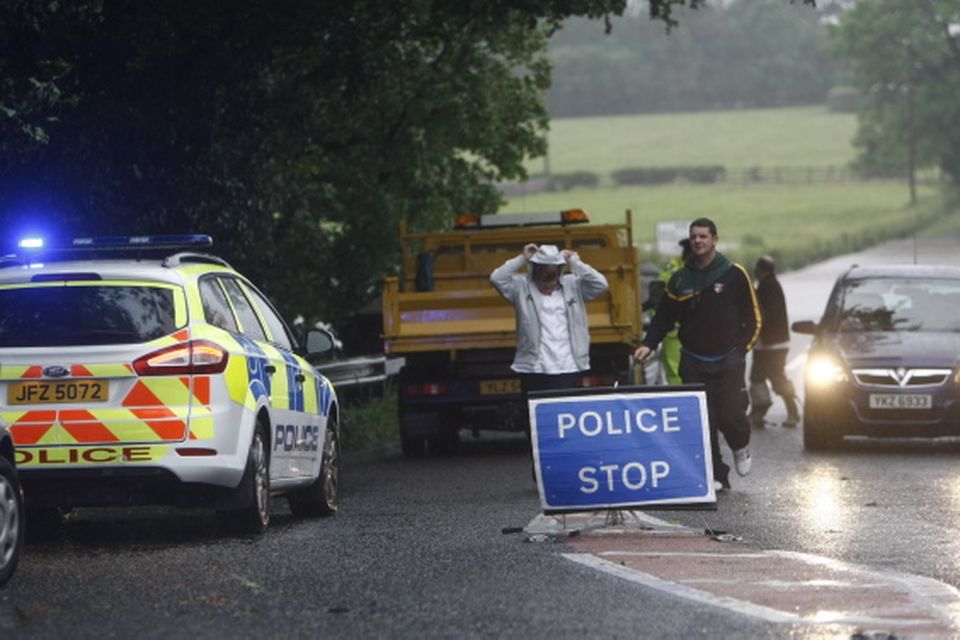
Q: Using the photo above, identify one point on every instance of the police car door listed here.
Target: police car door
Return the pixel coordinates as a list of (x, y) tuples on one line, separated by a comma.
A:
[(266, 364), (302, 439)]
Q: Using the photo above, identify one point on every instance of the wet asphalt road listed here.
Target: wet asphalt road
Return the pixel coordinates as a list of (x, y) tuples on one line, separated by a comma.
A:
[(418, 549)]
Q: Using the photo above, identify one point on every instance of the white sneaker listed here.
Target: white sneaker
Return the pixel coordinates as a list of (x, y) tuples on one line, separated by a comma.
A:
[(718, 487), (742, 460)]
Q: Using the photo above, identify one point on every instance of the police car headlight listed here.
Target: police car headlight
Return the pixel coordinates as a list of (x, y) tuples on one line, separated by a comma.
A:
[(825, 370)]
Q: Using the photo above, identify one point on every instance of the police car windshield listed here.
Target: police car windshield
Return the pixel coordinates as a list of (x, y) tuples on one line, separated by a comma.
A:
[(57, 315)]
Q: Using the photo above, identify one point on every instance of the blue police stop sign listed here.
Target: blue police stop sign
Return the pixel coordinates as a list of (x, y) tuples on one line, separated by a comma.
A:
[(632, 447)]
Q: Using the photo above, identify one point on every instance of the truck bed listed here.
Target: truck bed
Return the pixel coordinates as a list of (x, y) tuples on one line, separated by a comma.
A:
[(481, 318)]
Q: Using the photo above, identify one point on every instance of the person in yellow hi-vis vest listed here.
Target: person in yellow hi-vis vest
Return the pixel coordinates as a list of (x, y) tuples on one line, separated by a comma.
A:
[(670, 346)]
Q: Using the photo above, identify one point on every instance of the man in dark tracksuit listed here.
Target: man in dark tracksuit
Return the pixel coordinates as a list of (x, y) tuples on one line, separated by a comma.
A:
[(714, 303), (770, 353)]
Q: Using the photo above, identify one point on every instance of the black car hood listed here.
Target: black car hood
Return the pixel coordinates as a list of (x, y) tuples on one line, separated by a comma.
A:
[(931, 349)]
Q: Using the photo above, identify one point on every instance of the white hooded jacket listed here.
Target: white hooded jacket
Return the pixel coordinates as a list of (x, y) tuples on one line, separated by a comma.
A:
[(583, 284)]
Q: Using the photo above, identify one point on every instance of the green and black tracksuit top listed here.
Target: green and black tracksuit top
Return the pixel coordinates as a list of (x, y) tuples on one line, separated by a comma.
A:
[(716, 308)]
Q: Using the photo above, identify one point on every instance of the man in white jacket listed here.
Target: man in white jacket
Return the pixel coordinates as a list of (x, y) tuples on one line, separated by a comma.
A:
[(553, 340)]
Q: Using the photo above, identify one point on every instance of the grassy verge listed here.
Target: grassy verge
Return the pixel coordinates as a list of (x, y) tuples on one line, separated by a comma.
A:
[(372, 424)]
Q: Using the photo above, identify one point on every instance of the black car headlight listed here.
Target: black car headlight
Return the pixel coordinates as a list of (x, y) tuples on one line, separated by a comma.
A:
[(825, 370)]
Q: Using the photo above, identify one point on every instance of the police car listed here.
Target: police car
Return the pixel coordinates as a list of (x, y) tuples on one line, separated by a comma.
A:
[(138, 370), (11, 509)]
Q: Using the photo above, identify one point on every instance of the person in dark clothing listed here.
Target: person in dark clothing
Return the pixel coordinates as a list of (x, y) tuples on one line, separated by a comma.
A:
[(770, 354), (713, 301)]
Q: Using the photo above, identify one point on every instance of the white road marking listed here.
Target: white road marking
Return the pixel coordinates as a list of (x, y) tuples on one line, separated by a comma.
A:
[(748, 608), (940, 598), (680, 554)]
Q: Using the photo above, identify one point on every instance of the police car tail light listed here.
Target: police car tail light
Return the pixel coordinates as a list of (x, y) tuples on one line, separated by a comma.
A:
[(196, 356)]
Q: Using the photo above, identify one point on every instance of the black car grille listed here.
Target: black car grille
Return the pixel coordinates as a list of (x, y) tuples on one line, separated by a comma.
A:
[(918, 416), (902, 378)]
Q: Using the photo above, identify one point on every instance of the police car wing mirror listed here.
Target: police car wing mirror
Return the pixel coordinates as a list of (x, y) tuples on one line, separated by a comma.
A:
[(806, 326), (319, 342)]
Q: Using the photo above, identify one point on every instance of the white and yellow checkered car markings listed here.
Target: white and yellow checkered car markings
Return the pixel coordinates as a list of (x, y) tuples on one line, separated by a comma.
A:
[(140, 413), (248, 382), (27, 372), (325, 394)]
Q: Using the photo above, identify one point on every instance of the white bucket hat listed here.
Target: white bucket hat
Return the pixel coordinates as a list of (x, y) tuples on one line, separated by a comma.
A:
[(548, 254)]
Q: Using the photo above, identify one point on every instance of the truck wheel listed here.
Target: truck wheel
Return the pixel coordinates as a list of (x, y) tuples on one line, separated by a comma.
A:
[(254, 488), (413, 447), (12, 520), (444, 444), (320, 498)]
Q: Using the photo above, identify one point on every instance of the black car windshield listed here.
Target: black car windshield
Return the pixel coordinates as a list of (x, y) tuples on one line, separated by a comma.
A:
[(51, 316), (900, 304)]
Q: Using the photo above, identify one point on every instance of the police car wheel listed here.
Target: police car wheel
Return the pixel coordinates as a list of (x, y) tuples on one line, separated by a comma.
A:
[(254, 517), (12, 520), (320, 498)]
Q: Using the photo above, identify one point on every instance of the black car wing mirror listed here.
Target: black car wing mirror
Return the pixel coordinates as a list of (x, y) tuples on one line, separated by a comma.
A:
[(806, 326), (319, 342)]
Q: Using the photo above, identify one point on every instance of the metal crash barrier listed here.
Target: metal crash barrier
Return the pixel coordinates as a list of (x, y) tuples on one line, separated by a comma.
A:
[(362, 378)]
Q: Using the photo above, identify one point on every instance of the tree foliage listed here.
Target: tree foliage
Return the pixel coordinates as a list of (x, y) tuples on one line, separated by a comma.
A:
[(906, 62), (761, 53), (298, 133)]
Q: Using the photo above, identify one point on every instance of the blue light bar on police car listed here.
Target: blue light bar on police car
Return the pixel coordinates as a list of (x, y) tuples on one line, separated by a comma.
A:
[(142, 242), (31, 243)]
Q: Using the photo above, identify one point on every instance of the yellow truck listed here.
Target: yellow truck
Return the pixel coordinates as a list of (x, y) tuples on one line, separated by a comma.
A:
[(457, 335)]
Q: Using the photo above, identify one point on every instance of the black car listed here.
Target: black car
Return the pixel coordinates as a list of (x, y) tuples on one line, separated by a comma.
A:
[(884, 359)]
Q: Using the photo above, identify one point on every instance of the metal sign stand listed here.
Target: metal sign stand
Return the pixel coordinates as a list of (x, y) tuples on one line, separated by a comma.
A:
[(562, 524), (555, 526)]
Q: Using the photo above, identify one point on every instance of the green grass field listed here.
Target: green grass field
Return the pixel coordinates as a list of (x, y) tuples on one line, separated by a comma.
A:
[(735, 139), (796, 223)]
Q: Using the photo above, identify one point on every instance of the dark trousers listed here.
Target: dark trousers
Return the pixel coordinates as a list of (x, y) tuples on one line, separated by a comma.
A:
[(768, 364), (726, 403), (544, 382)]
